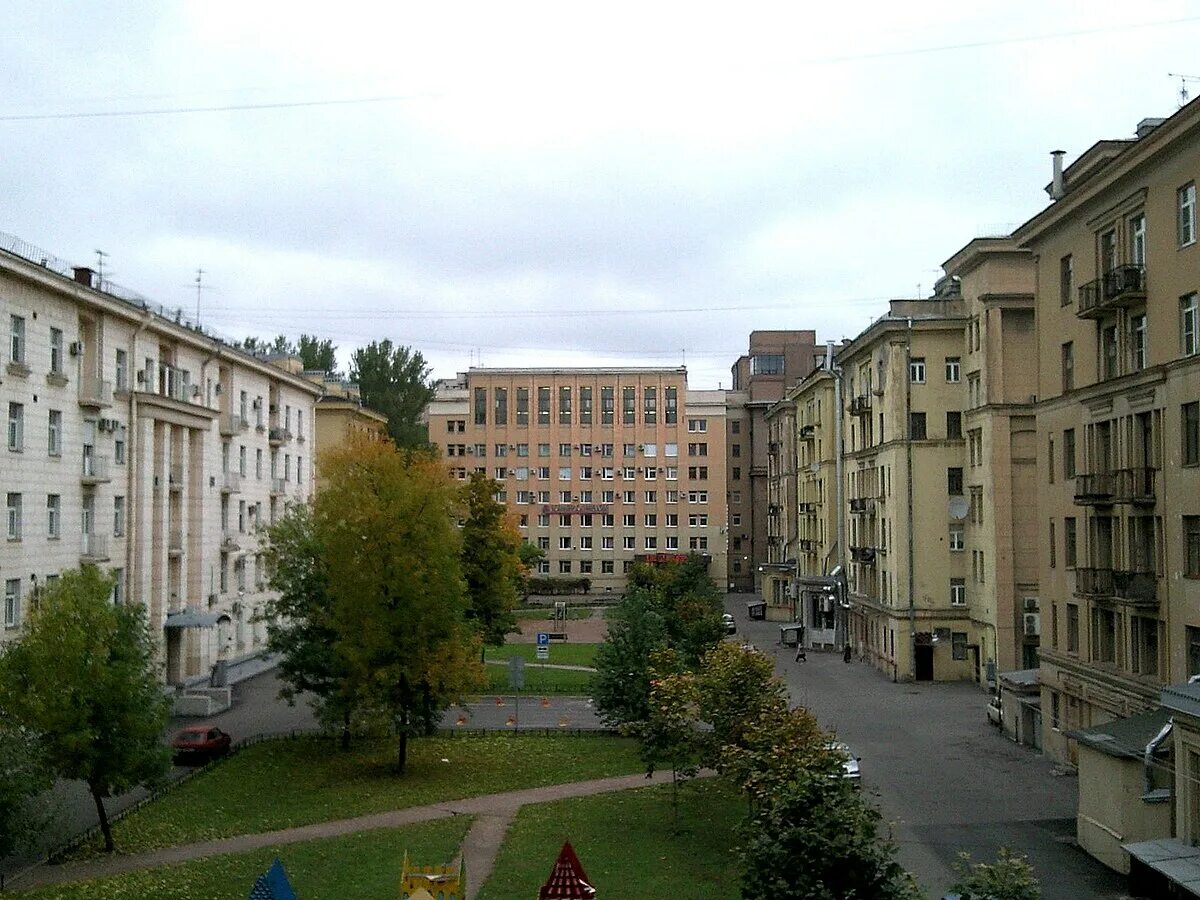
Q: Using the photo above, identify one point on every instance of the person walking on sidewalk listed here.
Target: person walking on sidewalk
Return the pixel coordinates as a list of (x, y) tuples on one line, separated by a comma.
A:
[(801, 652), (846, 654)]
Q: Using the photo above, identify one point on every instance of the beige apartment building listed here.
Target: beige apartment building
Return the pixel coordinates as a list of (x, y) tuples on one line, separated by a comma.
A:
[(776, 359), (782, 512), (909, 576), (999, 534), (600, 467), (145, 446), (340, 413), (1118, 426)]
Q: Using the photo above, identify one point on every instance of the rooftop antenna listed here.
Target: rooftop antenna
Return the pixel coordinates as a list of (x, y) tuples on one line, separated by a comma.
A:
[(100, 257), (200, 286), (1183, 86)]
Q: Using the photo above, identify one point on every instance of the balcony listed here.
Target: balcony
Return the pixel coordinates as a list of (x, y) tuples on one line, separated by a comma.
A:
[(806, 507), (807, 432), (1138, 588), (861, 405), (94, 549), (863, 555), (1135, 486), (277, 436), (862, 506), (1094, 489), (175, 542), (174, 383), (94, 392), (807, 545), (1123, 286), (231, 483), (233, 424), (94, 469), (279, 487), (231, 540)]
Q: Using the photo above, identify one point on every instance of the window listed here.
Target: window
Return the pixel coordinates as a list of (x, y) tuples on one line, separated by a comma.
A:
[(651, 520), (1070, 545), (1137, 240), (1069, 453), (628, 520), (954, 480), (767, 364), (1072, 627), (119, 447), (606, 567), (1066, 280), (916, 426), (1189, 325), (16, 426), (1186, 220), (697, 496), (670, 450), (735, 450), (16, 352), (1137, 342), (629, 543), (53, 515), (958, 645), (118, 516), (480, 406), (564, 542), (606, 405), (1191, 546), (735, 427), (671, 413), (736, 473), (12, 602), (953, 370), (500, 396), (122, 371), (564, 566), (628, 405), (564, 449), (650, 451), (543, 410), (698, 473), (1068, 366), (954, 426), (957, 542), (56, 351), (1108, 352), (14, 517), (672, 520), (564, 406), (54, 433), (698, 520), (543, 450), (585, 406), (650, 406), (699, 449), (242, 460), (1190, 414), (258, 464), (916, 370), (672, 542), (1143, 645), (1053, 546), (522, 406), (698, 543), (697, 426)]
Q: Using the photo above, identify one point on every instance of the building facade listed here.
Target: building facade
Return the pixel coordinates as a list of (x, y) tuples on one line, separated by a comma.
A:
[(340, 414), (145, 446), (600, 467), (775, 360), (1118, 426)]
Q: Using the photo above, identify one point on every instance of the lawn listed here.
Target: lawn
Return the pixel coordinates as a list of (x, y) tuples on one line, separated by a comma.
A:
[(562, 653), (281, 784), (541, 681), (627, 844), (547, 612), (365, 866)]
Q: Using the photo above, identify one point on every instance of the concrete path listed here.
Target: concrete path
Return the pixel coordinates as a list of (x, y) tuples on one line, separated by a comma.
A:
[(492, 814), (538, 665)]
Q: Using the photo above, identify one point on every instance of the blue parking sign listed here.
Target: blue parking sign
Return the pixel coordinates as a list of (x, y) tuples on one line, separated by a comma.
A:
[(543, 639)]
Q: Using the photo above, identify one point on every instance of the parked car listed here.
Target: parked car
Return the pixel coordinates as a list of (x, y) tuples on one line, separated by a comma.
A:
[(727, 621), (200, 743), (995, 714), (850, 770)]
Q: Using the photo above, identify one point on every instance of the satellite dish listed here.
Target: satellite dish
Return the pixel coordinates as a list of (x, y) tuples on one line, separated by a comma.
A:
[(959, 507)]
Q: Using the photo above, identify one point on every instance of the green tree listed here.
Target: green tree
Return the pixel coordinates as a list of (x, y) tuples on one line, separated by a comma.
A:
[(316, 353), (300, 626), (530, 555), (819, 840), (735, 688), (621, 685), (671, 731), (81, 678), (688, 602), (386, 523), (1010, 877), (395, 381), (491, 561), (23, 776)]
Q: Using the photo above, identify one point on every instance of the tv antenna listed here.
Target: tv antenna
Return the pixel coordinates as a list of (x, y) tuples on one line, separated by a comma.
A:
[(1183, 86), (100, 257), (200, 286)]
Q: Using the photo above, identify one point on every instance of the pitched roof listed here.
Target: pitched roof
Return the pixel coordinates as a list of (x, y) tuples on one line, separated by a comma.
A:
[(567, 879)]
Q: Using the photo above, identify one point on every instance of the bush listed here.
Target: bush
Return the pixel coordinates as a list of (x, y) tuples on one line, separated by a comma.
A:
[(556, 587)]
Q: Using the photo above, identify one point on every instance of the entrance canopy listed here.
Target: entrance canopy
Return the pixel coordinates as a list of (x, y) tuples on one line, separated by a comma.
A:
[(190, 618)]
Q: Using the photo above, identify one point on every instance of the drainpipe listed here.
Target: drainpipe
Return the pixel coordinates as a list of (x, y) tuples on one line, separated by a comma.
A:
[(912, 609), (131, 453), (1148, 756), (841, 615)]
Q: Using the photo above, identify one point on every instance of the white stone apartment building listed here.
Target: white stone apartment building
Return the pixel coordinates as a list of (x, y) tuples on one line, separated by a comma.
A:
[(143, 445)]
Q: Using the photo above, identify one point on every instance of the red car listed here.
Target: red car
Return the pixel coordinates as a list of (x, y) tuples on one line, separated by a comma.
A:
[(200, 742)]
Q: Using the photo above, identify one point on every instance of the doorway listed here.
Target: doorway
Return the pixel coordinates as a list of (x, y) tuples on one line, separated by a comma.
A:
[(924, 661)]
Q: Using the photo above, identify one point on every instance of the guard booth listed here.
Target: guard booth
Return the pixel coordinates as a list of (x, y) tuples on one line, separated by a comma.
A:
[(756, 608)]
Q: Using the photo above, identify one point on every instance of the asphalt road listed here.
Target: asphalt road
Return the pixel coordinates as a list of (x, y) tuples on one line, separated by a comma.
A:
[(946, 780)]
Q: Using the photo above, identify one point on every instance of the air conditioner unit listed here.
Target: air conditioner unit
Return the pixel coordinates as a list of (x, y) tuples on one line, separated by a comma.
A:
[(76, 348), (1033, 624), (1031, 604)]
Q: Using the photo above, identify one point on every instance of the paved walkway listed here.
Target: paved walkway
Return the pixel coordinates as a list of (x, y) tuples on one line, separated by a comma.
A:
[(539, 665), (492, 814)]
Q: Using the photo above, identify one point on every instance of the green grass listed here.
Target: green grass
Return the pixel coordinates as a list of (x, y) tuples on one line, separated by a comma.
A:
[(547, 612), (541, 681), (563, 653), (365, 866), (282, 784), (627, 844)]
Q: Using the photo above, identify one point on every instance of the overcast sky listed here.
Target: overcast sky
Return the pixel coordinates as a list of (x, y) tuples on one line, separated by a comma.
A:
[(559, 183)]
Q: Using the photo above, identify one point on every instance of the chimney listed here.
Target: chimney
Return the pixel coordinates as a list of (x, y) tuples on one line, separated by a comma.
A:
[(85, 276), (1057, 189), (1146, 126), (829, 356)]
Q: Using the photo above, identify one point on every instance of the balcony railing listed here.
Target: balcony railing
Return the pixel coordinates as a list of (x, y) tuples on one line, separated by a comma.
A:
[(863, 555), (233, 424), (861, 405), (1139, 588), (807, 545), (174, 383), (1112, 290), (94, 470), (231, 483), (862, 505), (806, 506), (276, 436), (1095, 488), (279, 487), (95, 548), (807, 432), (95, 392), (1135, 485)]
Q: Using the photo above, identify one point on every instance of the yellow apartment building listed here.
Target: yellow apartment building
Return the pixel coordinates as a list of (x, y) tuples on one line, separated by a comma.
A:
[(600, 467), (341, 413), (1118, 425), (781, 513)]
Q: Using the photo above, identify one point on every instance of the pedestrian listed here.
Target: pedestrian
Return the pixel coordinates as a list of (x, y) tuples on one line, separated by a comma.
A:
[(846, 654), (801, 653)]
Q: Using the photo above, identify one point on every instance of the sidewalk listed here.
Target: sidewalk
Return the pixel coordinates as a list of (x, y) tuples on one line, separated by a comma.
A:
[(492, 814)]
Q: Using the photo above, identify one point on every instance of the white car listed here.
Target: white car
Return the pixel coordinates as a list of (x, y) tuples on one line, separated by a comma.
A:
[(728, 623), (850, 770)]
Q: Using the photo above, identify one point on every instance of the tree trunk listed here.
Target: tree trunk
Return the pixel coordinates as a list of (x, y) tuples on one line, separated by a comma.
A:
[(105, 827), (402, 748), (346, 729)]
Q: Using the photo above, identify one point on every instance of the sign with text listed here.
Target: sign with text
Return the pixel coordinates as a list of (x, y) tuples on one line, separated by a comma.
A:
[(543, 639), (543, 652), (575, 509)]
